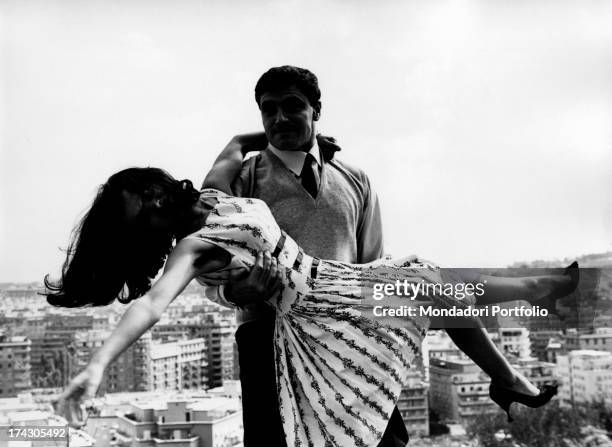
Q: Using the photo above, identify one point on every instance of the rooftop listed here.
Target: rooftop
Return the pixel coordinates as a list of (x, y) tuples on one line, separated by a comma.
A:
[(589, 353), (213, 403)]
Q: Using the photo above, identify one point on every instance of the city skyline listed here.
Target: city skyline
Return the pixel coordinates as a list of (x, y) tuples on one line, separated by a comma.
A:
[(446, 387)]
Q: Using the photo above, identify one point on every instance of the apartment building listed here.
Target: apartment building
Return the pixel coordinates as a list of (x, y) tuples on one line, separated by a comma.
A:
[(586, 376), (459, 390), (413, 405), (15, 365)]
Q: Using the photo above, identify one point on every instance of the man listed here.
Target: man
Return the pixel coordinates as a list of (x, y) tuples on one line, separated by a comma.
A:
[(325, 205)]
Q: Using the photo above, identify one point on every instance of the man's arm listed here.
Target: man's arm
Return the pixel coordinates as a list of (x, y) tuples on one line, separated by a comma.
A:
[(239, 186), (241, 288), (369, 235), (245, 287), (228, 164), (370, 244)]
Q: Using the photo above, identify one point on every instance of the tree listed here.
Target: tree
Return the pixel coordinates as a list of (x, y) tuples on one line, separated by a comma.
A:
[(548, 426)]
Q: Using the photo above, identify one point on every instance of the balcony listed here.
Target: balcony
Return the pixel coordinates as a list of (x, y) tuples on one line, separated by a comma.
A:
[(476, 403), (423, 406), (192, 441)]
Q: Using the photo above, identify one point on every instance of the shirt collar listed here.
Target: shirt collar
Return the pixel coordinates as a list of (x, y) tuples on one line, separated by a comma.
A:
[(294, 160)]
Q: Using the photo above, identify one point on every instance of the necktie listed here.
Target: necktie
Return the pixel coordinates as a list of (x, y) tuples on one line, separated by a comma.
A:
[(310, 175)]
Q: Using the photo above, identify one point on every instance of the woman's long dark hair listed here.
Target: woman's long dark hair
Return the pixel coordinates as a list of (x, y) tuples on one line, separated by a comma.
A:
[(108, 258)]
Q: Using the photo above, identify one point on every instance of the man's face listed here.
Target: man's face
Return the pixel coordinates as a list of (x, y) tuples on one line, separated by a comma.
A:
[(288, 119)]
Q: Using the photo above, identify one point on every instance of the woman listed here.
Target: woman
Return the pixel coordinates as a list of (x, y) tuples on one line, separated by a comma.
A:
[(340, 370)]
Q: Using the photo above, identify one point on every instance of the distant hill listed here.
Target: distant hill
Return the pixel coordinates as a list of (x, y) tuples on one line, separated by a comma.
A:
[(591, 260), (20, 285)]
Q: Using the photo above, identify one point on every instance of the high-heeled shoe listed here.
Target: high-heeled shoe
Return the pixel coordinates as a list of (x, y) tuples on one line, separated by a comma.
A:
[(504, 397), (574, 273), (550, 302)]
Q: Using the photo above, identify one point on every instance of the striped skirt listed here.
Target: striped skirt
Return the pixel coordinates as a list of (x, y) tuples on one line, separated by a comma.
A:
[(340, 368)]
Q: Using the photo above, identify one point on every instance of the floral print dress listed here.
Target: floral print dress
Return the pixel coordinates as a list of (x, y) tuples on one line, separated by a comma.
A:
[(340, 369)]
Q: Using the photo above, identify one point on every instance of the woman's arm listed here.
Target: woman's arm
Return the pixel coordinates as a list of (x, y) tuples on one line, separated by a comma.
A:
[(189, 258), (229, 162), (147, 310)]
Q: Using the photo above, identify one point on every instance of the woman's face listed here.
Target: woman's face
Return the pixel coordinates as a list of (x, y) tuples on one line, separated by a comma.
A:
[(151, 210)]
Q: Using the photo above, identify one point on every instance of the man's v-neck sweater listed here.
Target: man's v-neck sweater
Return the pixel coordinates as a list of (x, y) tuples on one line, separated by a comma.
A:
[(342, 223)]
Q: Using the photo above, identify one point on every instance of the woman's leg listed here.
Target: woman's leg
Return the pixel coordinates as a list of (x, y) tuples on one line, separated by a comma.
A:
[(473, 339), (477, 345), (528, 288)]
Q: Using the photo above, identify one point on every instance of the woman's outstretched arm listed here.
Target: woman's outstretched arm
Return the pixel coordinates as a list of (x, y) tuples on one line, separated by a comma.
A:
[(147, 310), (229, 162), (189, 259), (141, 315)]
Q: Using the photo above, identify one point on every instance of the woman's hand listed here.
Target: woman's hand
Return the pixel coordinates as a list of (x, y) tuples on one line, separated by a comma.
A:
[(71, 403)]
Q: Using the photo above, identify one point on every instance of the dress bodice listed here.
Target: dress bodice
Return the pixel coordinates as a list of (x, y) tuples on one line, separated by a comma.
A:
[(245, 226)]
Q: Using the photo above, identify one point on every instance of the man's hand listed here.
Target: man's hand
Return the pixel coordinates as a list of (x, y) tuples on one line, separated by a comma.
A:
[(248, 142), (328, 146), (261, 283)]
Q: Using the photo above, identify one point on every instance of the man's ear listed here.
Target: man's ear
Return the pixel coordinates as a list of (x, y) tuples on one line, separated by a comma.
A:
[(317, 111)]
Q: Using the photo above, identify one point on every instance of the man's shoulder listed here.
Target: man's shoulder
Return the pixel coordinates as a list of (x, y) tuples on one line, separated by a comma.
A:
[(350, 170), (255, 161), (257, 158)]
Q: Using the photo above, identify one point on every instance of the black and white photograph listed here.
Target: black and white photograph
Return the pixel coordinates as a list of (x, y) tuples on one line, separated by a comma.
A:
[(303, 223)]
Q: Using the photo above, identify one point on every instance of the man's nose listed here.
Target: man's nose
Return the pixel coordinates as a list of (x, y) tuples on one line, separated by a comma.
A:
[(280, 116)]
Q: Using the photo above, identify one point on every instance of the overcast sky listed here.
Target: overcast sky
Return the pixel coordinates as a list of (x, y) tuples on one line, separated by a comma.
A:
[(485, 126)]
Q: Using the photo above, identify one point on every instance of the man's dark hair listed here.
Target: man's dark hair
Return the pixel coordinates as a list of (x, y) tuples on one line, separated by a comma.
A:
[(286, 76)]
